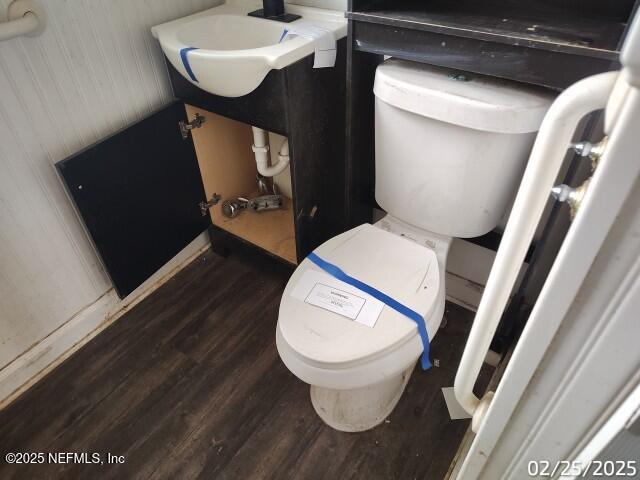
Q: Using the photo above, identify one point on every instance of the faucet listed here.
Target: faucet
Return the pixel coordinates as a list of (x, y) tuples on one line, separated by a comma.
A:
[(274, 10)]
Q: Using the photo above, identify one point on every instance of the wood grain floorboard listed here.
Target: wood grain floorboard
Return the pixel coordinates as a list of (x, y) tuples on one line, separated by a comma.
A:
[(188, 384)]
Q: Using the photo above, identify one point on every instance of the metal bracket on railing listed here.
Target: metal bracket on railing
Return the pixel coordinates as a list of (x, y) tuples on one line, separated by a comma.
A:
[(590, 151), (571, 196)]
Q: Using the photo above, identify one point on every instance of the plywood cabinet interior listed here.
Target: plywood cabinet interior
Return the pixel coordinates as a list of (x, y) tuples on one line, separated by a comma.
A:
[(228, 168)]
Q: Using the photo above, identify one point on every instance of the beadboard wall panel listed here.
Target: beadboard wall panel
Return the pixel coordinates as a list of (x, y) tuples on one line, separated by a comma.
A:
[(94, 70), (330, 4)]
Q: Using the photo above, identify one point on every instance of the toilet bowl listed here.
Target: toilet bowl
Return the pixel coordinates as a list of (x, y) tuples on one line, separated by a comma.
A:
[(448, 157), (358, 373)]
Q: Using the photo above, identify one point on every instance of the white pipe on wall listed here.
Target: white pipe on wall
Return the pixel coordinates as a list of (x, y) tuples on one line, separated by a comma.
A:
[(24, 17), (261, 150), (25, 25), (542, 169)]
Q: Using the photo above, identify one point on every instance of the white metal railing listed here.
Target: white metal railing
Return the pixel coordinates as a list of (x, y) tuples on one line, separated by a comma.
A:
[(24, 17), (544, 164)]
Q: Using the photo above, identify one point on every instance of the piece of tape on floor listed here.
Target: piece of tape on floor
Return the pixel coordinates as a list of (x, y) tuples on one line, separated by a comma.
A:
[(456, 412)]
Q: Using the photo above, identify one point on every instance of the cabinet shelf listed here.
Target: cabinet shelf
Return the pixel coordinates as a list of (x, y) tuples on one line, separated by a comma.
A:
[(228, 168), (272, 231)]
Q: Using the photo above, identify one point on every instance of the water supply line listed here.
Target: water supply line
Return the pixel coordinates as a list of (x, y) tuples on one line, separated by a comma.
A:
[(261, 150), (549, 150)]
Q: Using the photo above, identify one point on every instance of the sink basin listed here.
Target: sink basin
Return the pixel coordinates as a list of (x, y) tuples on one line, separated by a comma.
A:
[(225, 52)]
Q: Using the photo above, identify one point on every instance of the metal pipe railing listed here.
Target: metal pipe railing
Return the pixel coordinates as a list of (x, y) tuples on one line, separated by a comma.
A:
[(544, 164), (16, 28)]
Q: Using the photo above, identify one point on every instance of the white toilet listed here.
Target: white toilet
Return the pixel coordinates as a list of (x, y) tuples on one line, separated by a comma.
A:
[(450, 151)]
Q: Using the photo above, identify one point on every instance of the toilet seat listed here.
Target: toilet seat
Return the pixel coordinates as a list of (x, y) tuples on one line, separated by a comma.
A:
[(321, 340)]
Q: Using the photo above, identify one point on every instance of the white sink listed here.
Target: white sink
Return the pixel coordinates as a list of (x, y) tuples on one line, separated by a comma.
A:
[(225, 52)]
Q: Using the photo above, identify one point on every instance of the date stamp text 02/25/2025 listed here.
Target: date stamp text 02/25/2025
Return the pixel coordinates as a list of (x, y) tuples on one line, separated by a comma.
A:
[(572, 469)]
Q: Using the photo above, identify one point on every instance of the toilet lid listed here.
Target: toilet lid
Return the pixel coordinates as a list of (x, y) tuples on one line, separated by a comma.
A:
[(401, 268)]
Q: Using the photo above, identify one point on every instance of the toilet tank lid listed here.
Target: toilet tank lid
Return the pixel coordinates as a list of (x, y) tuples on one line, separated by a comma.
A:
[(465, 99)]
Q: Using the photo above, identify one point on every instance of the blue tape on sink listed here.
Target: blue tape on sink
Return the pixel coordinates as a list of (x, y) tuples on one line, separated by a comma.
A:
[(185, 61), (338, 273)]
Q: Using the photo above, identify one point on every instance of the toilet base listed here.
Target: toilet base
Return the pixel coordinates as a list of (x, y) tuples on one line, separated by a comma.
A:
[(359, 409)]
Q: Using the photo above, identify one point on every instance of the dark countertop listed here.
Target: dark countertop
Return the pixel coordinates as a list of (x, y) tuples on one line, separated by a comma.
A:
[(549, 28)]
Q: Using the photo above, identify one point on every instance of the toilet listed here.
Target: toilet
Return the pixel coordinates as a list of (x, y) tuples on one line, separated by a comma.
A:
[(450, 151)]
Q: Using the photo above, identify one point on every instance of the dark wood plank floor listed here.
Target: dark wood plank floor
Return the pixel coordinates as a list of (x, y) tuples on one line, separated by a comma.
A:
[(188, 384)]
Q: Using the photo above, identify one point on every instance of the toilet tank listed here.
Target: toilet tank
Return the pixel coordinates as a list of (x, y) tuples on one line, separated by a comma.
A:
[(451, 148)]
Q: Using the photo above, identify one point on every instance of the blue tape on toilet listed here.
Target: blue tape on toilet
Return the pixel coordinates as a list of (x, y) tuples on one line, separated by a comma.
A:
[(336, 272), (185, 61)]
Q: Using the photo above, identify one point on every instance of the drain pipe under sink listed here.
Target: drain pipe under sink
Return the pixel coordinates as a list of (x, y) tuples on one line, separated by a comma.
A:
[(261, 150)]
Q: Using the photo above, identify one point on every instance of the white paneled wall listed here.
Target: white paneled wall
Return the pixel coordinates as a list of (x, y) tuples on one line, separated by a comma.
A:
[(330, 4), (94, 70)]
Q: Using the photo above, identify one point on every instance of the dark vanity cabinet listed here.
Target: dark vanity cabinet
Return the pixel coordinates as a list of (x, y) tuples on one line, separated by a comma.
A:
[(142, 193)]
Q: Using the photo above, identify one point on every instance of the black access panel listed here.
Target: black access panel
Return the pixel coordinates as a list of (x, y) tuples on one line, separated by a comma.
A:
[(137, 192)]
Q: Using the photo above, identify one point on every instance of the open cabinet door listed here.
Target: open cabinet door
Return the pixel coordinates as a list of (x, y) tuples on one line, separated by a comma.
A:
[(138, 193)]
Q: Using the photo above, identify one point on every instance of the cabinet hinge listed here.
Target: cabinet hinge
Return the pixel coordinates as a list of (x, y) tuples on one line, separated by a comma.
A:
[(205, 206), (185, 127)]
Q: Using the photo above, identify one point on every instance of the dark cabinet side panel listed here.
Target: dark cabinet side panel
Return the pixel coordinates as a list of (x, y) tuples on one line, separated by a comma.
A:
[(316, 115), (138, 193)]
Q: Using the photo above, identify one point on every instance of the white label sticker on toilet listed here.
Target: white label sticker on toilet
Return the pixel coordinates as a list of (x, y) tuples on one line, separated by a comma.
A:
[(335, 300), (320, 289)]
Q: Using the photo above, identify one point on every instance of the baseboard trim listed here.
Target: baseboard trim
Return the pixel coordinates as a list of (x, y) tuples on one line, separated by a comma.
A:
[(463, 292), (27, 369)]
